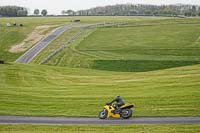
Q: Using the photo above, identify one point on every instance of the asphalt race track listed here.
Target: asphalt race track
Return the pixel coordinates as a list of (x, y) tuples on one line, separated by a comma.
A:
[(64, 120)]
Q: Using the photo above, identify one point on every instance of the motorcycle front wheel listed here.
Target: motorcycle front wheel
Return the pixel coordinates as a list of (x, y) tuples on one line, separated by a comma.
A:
[(126, 113), (103, 114)]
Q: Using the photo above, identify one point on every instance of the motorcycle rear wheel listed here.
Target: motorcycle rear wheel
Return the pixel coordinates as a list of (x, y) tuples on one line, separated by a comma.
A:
[(126, 113), (103, 114)]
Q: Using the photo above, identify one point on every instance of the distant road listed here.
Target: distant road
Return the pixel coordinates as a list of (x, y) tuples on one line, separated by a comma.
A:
[(37, 48), (63, 120)]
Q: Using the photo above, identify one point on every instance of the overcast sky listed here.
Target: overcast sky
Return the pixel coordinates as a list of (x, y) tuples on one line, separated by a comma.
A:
[(56, 6)]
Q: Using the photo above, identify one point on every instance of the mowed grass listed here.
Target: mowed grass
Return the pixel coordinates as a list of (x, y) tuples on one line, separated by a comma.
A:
[(10, 36), (137, 47), (35, 90), (100, 128), (63, 39)]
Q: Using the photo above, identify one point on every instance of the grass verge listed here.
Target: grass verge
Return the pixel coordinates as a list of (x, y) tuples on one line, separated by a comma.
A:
[(100, 128)]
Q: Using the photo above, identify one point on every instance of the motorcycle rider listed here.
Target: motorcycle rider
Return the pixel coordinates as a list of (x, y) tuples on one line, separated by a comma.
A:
[(119, 102)]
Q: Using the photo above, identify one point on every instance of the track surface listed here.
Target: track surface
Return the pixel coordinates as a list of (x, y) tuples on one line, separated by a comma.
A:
[(63, 120)]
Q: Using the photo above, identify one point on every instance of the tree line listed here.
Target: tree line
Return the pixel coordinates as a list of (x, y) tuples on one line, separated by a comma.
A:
[(13, 11), (138, 9), (112, 10), (16, 11)]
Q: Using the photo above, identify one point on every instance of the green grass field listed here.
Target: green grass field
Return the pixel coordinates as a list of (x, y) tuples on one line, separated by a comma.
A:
[(64, 38), (145, 46), (58, 91), (100, 129)]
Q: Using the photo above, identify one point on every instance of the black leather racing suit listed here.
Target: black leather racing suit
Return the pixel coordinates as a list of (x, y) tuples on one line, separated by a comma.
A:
[(119, 102)]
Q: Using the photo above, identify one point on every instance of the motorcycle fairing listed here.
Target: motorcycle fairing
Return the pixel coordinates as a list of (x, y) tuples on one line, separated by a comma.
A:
[(127, 106)]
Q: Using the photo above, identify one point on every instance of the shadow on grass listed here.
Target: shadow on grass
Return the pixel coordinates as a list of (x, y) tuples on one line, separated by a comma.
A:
[(138, 65)]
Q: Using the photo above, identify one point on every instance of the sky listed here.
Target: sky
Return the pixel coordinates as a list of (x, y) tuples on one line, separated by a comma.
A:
[(56, 6)]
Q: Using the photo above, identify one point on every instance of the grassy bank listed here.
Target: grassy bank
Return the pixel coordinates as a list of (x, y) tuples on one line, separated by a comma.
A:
[(56, 91)]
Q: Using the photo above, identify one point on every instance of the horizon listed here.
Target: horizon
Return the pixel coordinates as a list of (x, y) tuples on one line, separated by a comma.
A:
[(66, 5)]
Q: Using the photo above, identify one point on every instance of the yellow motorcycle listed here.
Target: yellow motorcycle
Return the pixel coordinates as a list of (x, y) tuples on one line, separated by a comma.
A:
[(125, 111)]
